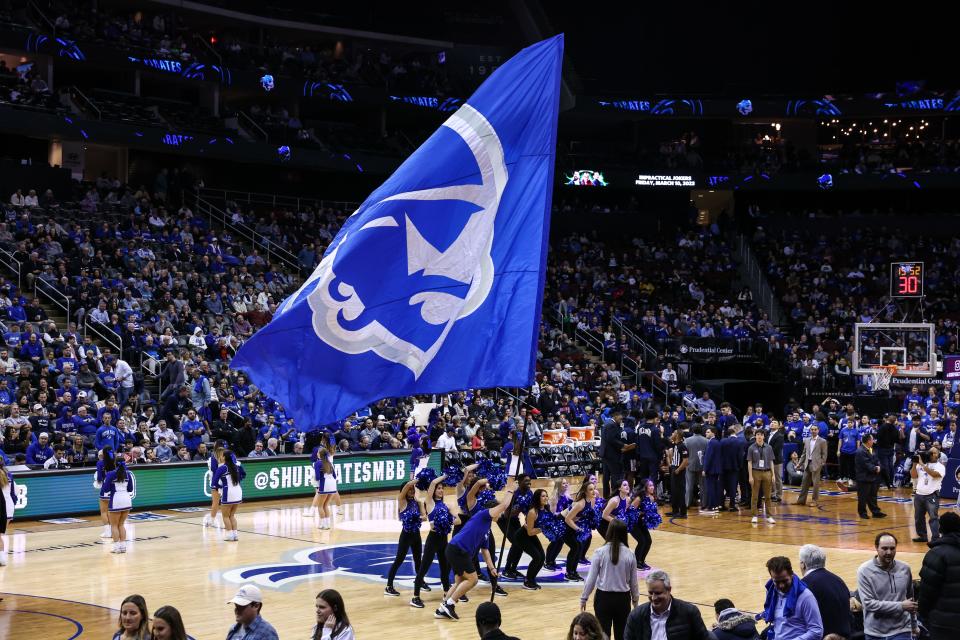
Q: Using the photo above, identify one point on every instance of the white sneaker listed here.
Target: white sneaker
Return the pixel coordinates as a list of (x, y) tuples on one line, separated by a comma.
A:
[(771, 520), (123, 547), (116, 548), (106, 532), (207, 520), (3, 559), (753, 520)]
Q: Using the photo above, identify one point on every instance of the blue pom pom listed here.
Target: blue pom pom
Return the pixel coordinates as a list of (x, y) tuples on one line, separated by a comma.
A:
[(454, 476), (553, 527), (651, 515), (494, 473), (410, 519), (523, 502), (425, 477), (442, 521), (483, 497), (631, 517)]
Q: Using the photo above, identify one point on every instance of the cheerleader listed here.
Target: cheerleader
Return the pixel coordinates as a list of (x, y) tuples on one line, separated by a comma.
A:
[(441, 522), (641, 516), (326, 479), (117, 490), (511, 525), (535, 521), (8, 499), (106, 462), (560, 501), (214, 518), (408, 511), (227, 478), (599, 503), (616, 507), (581, 520)]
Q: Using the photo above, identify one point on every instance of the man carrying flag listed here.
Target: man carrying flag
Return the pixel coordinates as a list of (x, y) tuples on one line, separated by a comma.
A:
[(435, 283)]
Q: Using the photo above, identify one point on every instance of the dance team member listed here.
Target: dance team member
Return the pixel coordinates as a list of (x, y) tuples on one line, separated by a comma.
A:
[(560, 501), (214, 518), (228, 477), (117, 490), (463, 548), (408, 511), (441, 522), (106, 463)]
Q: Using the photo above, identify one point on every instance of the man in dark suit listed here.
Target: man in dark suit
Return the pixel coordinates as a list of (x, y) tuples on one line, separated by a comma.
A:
[(683, 622), (713, 472), (831, 592), (732, 460), (613, 445), (867, 468)]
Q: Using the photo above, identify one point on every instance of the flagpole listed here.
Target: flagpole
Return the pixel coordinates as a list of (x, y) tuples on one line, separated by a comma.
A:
[(513, 500)]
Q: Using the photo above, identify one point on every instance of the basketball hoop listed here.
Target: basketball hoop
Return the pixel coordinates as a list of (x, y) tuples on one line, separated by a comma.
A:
[(881, 377)]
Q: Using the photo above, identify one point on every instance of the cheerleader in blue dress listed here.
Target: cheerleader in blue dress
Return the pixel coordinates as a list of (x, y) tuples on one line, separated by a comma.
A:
[(106, 462), (228, 477), (214, 518), (118, 489), (598, 506), (410, 515), (325, 476), (560, 501), (441, 523), (641, 516)]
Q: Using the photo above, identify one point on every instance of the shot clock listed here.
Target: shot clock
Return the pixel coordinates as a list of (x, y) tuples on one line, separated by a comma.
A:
[(906, 279)]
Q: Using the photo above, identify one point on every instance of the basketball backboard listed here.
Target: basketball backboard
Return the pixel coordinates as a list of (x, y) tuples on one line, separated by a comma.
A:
[(909, 346)]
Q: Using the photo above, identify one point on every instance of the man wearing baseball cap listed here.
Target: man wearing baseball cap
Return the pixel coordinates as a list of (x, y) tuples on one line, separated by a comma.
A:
[(488, 623), (247, 604)]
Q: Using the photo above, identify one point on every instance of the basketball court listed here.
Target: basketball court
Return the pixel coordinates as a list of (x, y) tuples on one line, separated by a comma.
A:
[(63, 583)]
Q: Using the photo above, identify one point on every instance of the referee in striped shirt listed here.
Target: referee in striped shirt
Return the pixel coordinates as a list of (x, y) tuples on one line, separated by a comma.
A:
[(679, 458)]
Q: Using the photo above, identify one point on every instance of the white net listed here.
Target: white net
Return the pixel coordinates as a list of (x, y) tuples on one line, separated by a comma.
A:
[(880, 378)]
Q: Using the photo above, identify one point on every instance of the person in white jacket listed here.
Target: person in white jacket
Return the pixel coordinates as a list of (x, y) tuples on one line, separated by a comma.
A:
[(332, 620)]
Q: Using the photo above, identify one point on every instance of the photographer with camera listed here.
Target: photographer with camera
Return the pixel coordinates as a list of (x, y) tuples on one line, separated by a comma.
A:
[(927, 472)]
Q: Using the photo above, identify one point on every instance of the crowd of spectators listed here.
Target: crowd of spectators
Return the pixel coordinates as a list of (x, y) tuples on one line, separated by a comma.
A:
[(25, 88), (828, 284), (909, 146)]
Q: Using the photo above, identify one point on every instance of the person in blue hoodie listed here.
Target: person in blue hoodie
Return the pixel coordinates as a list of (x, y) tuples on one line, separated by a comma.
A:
[(40, 451)]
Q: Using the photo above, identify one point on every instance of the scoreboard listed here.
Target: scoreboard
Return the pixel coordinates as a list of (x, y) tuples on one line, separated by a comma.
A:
[(906, 279)]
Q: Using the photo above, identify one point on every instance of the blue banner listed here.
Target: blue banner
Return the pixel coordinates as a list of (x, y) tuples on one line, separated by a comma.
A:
[(435, 283)]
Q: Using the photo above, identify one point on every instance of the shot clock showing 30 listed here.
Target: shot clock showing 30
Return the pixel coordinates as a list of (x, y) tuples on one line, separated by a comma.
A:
[(906, 279)]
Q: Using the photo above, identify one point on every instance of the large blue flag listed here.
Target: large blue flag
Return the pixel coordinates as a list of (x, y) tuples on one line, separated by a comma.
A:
[(435, 283)]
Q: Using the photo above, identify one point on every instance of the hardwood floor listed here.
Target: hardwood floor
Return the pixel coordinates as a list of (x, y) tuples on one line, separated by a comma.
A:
[(61, 583)]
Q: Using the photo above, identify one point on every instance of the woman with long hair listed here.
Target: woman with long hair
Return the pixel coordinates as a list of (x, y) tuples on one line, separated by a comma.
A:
[(106, 462), (8, 499), (528, 538), (326, 479), (614, 572), (641, 516), (228, 477), (585, 626), (441, 523), (580, 521), (214, 518), (168, 625), (134, 622), (332, 620), (560, 501), (408, 511), (617, 505), (598, 506), (118, 489)]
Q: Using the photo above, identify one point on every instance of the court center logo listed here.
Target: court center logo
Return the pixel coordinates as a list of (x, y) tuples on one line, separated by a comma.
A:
[(364, 560)]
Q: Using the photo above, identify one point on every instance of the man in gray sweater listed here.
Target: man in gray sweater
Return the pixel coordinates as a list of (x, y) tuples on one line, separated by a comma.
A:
[(886, 591)]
